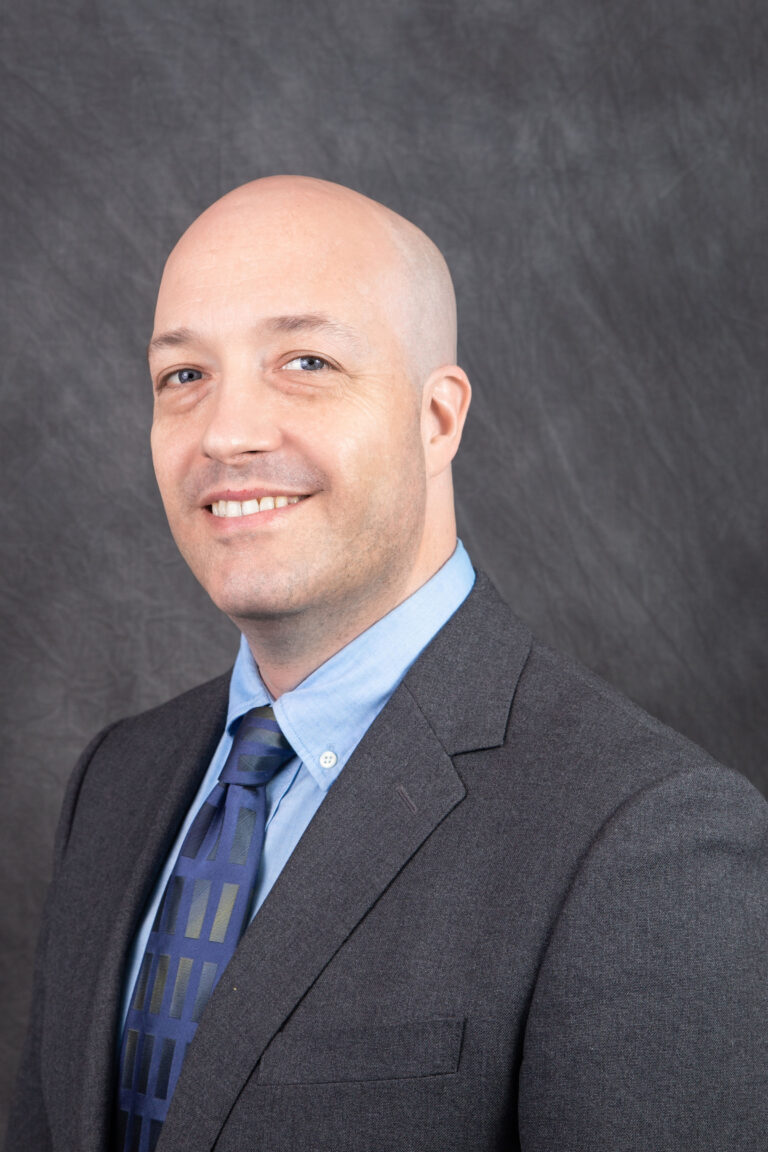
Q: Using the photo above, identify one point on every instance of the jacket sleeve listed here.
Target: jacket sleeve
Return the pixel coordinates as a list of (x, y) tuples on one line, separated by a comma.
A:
[(28, 1128), (648, 1028)]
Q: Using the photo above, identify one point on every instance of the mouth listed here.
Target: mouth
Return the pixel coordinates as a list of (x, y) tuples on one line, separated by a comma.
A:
[(230, 509)]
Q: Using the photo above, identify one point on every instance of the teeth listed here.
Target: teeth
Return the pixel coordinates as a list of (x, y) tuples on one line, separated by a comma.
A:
[(228, 508)]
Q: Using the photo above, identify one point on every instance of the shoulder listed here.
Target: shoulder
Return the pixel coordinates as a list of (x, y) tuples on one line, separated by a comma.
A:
[(590, 730), (202, 704), (186, 716), (575, 712), (564, 746), (116, 758)]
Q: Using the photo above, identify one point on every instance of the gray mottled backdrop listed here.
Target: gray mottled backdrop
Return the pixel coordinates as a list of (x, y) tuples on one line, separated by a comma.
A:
[(594, 170)]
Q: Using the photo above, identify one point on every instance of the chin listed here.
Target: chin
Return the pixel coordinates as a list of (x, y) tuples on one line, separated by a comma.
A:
[(262, 597), (263, 605), (337, 590)]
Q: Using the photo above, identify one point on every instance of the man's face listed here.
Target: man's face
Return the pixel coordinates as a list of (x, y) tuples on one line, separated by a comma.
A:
[(280, 376)]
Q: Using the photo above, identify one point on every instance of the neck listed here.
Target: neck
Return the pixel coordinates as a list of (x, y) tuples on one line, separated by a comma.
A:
[(285, 654), (289, 648)]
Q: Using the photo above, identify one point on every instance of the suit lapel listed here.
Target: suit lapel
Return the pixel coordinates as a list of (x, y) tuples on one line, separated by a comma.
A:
[(466, 679), (397, 787)]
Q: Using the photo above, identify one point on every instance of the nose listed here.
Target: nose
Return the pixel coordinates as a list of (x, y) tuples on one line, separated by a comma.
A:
[(242, 416)]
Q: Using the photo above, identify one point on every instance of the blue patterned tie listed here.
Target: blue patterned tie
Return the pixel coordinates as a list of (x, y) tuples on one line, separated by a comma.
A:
[(201, 917)]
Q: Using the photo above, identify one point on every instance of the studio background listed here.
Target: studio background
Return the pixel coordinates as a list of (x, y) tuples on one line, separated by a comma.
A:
[(595, 174)]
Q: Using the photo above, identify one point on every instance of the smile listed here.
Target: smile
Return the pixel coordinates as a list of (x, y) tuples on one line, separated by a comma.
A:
[(230, 508)]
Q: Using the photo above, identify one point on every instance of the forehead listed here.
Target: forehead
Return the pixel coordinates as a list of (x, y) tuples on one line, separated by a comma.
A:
[(242, 264)]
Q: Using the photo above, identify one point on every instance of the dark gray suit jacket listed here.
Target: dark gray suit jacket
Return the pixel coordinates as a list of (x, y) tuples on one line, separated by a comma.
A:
[(525, 916)]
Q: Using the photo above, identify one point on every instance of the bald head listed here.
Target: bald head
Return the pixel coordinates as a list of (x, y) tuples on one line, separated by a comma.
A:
[(325, 232), (307, 409)]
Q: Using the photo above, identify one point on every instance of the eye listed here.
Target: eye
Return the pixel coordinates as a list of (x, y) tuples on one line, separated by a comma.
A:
[(183, 376), (306, 364)]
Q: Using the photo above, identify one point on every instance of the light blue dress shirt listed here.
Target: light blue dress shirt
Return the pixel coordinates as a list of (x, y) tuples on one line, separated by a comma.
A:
[(324, 718)]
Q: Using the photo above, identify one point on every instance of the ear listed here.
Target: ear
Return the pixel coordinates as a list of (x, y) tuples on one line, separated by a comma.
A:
[(445, 400)]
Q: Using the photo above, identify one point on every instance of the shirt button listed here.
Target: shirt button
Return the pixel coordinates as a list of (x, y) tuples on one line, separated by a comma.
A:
[(328, 759)]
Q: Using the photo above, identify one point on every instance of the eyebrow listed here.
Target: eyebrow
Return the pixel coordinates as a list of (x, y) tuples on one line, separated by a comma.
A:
[(171, 339), (303, 322), (314, 322)]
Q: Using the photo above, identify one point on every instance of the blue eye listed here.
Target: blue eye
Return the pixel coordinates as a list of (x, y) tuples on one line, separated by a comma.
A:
[(183, 376), (306, 363)]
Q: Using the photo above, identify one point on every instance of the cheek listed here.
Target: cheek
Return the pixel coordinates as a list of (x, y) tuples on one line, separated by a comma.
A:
[(363, 466), (386, 475), (167, 460), (377, 434)]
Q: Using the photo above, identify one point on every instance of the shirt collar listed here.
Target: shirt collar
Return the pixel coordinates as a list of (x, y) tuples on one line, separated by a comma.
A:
[(326, 716)]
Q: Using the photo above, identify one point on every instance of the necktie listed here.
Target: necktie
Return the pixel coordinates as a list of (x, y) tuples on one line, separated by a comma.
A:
[(201, 917)]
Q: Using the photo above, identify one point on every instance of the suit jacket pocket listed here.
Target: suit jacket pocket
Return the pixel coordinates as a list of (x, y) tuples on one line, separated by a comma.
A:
[(377, 1052)]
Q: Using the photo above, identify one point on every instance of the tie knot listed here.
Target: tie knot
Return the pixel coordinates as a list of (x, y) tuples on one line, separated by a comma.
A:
[(259, 750)]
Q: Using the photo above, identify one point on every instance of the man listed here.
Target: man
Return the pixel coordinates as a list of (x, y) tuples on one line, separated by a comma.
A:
[(493, 904)]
